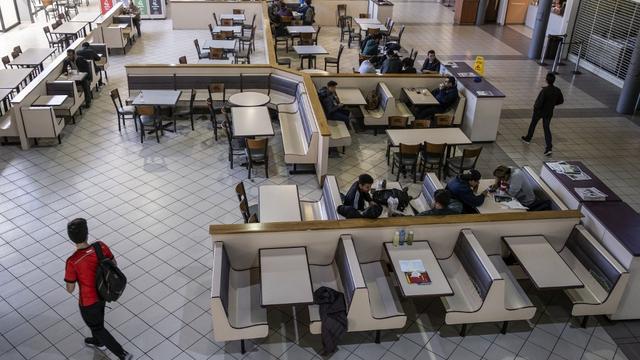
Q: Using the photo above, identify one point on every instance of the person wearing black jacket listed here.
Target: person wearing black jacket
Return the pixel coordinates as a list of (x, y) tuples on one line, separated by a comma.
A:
[(359, 193), (88, 53), (392, 64), (548, 98), (333, 108), (74, 62), (431, 63), (446, 94)]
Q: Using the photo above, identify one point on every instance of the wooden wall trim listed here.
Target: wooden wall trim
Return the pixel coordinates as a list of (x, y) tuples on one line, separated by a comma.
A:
[(389, 222), (266, 32)]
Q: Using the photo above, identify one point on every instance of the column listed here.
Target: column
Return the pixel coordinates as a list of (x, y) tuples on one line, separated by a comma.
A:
[(482, 10), (631, 88), (540, 28)]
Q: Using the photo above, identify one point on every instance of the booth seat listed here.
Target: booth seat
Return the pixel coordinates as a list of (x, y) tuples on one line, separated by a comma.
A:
[(103, 63), (235, 301), (482, 292), (542, 190), (326, 207), (371, 300), (8, 126), (340, 136), (386, 108), (116, 37), (41, 122), (604, 278), (300, 134), (72, 104), (425, 199), (403, 110), (456, 111), (95, 78)]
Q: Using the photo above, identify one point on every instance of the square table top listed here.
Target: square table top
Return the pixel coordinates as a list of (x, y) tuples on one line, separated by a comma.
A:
[(79, 76), (69, 28), (449, 136), (285, 278), (351, 96), (235, 29), (86, 17), (361, 21), (215, 61), (11, 78), (309, 50), (542, 262), (419, 250), (365, 27), (157, 97), (490, 206), (50, 100), (251, 121), (279, 203), (235, 17), (420, 99), (305, 29), (219, 44), (32, 57)]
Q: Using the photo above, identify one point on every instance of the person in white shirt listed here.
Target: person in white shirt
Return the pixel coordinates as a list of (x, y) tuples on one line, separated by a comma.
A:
[(367, 66)]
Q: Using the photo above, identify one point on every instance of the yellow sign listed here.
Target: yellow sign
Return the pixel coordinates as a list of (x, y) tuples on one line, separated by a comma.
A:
[(478, 66)]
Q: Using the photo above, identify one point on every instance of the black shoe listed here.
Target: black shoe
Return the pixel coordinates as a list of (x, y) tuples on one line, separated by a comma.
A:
[(548, 153), (525, 140), (94, 343), (126, 356)]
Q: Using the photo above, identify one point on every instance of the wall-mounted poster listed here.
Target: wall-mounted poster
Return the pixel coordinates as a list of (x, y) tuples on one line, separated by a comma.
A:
[(156, 9), (143, 6), (105, 5)]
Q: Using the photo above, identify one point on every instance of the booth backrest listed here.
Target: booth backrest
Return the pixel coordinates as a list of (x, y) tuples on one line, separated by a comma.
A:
[(593, 259), (331, 197), (304, 109), (429, 186), (458, 113), (60, 87), (542, 190), (255, 81), (349, 269), (151, 82), (202, 82), (221, 269), (284, 85), (122, 19), (384, 94), (468, 252)]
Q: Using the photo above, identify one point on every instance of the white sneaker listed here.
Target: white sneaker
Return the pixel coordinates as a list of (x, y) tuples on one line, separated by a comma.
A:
[(548, 153)]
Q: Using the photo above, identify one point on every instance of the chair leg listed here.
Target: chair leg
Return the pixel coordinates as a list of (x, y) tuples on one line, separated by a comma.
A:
[(505, 325), (119, 128), (242, 349), (585, 319), (249, 167), (463, 331), (377, 340), (400, 169)]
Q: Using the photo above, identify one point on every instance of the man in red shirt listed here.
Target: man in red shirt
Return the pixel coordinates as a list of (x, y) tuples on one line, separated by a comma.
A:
[(81, 268)]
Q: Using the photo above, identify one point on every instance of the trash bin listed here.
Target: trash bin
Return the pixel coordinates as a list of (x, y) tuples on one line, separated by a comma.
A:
[(553, 43)]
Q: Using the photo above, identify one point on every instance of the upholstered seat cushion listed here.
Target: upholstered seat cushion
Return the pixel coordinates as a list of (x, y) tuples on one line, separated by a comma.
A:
[(293, 139), (255, 155), (280, 98), (406, 160), (244, 299), (340, 135), (515, 297), (465, 297), (127, 110), (331, 59), (383, 298), (592, 292)]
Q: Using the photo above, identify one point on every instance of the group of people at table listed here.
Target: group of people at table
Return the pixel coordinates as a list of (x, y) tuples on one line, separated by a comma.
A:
[(281, 15), (79, 61), (460, 196)]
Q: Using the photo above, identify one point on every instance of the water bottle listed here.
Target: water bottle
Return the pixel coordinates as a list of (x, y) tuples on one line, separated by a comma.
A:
[(410, 238), (503, 188), (396, 239), (68, 69), (141, 96), (402, 237)]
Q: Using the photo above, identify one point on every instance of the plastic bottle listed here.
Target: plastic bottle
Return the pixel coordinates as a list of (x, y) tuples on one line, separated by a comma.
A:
[(402, 237), (396, 239), (410, 238), (68, 70)]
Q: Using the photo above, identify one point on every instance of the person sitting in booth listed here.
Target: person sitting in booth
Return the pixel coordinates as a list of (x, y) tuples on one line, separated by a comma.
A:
[(463, 188), (358, 203), (333, 108), (73, 62), (431, 64), (371, 45), (368, 66), (447, 96), (392, 65), (87, 53), (443, 204), (513, 181)]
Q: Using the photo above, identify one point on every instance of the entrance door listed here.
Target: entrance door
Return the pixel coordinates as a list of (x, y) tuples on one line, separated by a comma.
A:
[(516, 11), (492, 11)]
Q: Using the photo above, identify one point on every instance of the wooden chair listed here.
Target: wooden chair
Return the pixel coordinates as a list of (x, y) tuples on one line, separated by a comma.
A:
[(458, 164), (249, 26), (334, 61), (443, 120), (186, 111), (341, 11), (396, 39), (182, 60), (249, 40), (307, 39), (315, 36), (15, 54), (343, 23), (5, 61), (432, 158), (242, 198), (201, 54), (215, 19), (281, 61), (421, 124), (227, 35), (256, 151), (226, 22), (406, 158), (217, 36), (236, 145), (279, 39), (123, 111), (373, 31), (148, 120), (253, 219), (363, 15), (17, 49), (395, 122), (216, 53)]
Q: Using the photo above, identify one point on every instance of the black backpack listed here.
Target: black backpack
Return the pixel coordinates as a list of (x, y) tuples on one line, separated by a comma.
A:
[(110, 281)]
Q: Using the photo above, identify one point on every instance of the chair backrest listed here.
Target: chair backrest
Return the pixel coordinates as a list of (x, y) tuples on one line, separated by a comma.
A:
[(115, 97), (339, 50), (471, 153), (215, 19), (469, 257), (15, 54), (253, 219), (389, 25), (315, 36), (434, 150), (342, 9), (373, 31), (217, 36), (240, 191), (244, 210), (56, 24), (238, 11), (398, 122), (286, 19), (146, 110), (413, 56), (219, 90), (590, 254), (257, 147), (409, 150), (226, 22), (197, 45), (227, 34), (421, 124), (182, 60), (400, 34), (363, 15), (216, 53), (306, 38), (6, 60), (17, 49)]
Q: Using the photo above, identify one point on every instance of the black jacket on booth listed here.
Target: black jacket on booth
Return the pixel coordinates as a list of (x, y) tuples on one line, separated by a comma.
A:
[(333, 314)]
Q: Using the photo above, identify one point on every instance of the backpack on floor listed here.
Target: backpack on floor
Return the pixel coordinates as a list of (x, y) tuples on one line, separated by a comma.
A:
[(110, 281)]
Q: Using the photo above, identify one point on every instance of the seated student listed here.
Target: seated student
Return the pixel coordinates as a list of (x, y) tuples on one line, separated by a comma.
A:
[(392, 65), (431, 63), (333, 108), (88, 53), (309, 14), (407, 66), (371, 45), (446, 94), (463, 188), (283, 10), (74, 62), (368, 66), (357, 203), (514, 180), (443, 204)]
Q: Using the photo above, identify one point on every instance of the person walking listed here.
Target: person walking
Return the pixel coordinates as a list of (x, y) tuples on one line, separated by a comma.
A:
[(548, 98), (81, 268)]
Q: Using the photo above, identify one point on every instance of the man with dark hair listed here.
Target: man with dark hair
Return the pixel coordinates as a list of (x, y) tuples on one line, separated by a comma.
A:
[(446, 94), (443, 204), (548, 98), (333, 108), (392, 64), (464, 186), (407, 66), (81, 268), (87, 53), (515, 183), (359, 193), (73, 62), (431, 63)]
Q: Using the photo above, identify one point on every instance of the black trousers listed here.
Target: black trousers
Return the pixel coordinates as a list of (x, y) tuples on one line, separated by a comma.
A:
[(93, 316), (546, 125)]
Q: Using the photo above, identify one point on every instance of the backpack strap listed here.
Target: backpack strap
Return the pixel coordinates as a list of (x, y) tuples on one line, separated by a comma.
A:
[(96, 246)]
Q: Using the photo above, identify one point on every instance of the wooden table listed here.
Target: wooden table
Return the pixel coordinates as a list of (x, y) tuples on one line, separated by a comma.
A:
[(306, 29), (69, 28), (12, 78), (219, 44), (490, 206), (420, 96), (449, 136), (78, 76), (32, 57), (251, 121), (421, 251), (351, 96), (249, 98), (285, 278), (542, 262), (279, 203), (50, 100), (303, 50), (218, 29), (158, 98), (86, 17)]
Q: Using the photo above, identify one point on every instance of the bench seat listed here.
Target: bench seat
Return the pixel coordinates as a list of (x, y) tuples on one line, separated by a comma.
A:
[(278, 98), (386, 108), (328, 276), (383, 299), (244, 300), (403, 110), (293, 139), (465, 298), (515, 298), (340, 135), (7, 125)]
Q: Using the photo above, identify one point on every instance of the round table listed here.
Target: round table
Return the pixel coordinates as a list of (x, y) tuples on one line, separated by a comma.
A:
[(249, 98)]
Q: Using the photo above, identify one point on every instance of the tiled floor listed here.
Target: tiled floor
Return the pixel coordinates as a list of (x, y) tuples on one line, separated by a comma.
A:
[(152, 203)]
